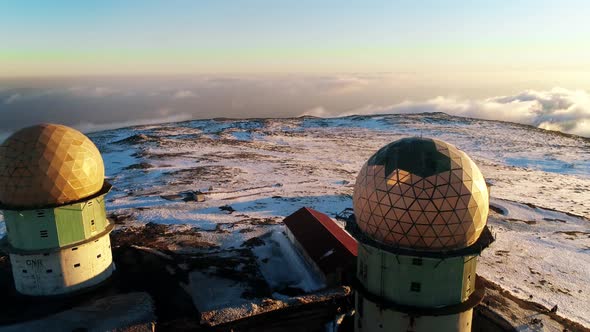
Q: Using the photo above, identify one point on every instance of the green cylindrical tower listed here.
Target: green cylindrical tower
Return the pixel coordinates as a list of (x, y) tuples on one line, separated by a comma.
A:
[(420, 207), (52, 192)]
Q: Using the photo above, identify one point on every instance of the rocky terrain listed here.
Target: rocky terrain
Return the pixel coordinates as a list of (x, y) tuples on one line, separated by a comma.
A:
[(210, 195)]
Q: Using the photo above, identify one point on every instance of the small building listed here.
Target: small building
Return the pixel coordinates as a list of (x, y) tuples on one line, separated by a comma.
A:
[(328, 248)]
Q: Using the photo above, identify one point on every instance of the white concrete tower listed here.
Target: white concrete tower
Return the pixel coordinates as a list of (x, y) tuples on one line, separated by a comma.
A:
[(52, 192), (421, 207)]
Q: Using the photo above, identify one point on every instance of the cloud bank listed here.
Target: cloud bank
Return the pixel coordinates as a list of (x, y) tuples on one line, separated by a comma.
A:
[(558, 109), (93, 104), (102, 103)]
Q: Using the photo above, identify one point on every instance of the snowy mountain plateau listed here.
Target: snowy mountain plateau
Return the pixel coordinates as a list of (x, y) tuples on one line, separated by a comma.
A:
[(252, 173)]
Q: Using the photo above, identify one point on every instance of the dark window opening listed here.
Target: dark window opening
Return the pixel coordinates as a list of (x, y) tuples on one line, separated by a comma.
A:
[(45, 254), (363, 272), (99, 256), (44, 233), (360, 306), (24, 271), (360, 310), (77, 265), (49, 271), (74, 248), (40, 213), (416, 261), (415, 287), (90, 203), (92, 222)]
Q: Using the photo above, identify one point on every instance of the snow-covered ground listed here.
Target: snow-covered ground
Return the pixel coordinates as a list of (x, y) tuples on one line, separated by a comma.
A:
[(540, 255), (266, 169)]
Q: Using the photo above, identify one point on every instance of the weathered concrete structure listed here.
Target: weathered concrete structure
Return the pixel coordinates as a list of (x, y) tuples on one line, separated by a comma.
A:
[(421, 208), (52, 192)]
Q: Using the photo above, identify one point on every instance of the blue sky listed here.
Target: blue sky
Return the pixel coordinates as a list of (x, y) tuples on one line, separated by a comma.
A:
[(143, 37)]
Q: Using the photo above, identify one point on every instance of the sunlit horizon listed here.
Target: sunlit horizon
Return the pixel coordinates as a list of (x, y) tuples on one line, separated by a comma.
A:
[(113, 62)]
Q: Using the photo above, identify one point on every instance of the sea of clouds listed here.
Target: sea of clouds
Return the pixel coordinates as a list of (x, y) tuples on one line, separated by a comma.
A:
[(557, 109), (93, 105)]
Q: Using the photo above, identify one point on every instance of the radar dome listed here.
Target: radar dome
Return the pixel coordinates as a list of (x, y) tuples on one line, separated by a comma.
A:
[(48, 164), (421, 194)]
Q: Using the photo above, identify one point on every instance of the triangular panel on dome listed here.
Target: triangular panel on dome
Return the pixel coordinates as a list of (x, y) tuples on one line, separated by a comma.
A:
[(405, 188), (463, 215), (430, 216), (415, 215), (395, 188), (382, 196), (394, 199), (426, 193), (384, 209), (420, 205), (421, 229), (429, 241), (467, 174), (457, 175), (455, 228), (408, 201), (397, 228), (398, 213), (390, 216), (462, 202), (405, 218), (406, 227)]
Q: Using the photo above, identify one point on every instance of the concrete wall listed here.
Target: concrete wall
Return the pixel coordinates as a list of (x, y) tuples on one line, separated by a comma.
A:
[(130, 312), (371, 318), (413, 281), (416, 281), (65, 271)]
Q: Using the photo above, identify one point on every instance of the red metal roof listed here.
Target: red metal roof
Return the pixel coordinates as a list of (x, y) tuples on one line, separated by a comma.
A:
[(324, 241), (338, 232)]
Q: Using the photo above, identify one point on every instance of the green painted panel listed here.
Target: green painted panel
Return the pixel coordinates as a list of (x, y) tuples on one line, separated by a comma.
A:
[(55, 227), (90, 220), (31, 229), (100, 214), (469, 276), (69, 221), (415, 281), (81, 221), (373, 318)]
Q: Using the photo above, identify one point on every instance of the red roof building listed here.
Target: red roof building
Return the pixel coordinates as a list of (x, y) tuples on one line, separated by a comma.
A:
[(326, 246)]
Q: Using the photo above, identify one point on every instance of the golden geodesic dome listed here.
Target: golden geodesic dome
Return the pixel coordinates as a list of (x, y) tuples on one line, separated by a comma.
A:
[(48, 164), (422, 194)]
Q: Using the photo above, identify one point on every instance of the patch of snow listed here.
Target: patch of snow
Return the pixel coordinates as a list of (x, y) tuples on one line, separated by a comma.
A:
[(211, 293), (541, 255), (282, 266)]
